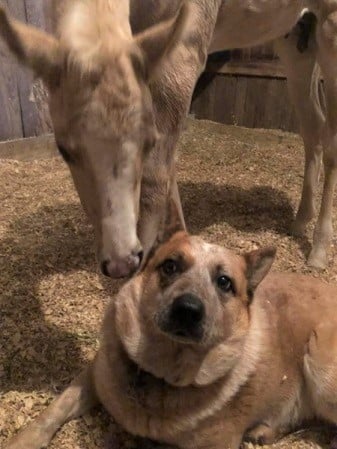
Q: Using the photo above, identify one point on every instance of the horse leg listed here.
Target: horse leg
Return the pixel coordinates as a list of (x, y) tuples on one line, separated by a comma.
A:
[(303, 84), (327, 58)]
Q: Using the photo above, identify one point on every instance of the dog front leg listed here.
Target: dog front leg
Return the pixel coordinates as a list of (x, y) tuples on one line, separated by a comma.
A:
[(78, 398)]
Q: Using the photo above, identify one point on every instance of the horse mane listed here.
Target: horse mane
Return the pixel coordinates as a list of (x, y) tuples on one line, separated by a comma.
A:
[(91, 30)]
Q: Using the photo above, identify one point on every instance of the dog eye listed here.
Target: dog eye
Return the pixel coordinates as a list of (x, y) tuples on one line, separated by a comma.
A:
[(225, 284), (169, 267)]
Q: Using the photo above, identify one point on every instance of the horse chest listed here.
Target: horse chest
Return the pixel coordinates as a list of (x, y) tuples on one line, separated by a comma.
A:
[(244, 23)]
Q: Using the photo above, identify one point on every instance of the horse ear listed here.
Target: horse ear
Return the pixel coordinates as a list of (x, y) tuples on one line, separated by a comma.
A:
[(160, 39), (36, 49), (174, 222)]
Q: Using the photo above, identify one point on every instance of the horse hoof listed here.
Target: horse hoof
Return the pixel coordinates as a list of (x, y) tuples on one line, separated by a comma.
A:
[(318, 259)]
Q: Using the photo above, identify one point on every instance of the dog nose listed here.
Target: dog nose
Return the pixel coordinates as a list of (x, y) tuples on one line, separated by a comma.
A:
[(186, 315), (122, 268)]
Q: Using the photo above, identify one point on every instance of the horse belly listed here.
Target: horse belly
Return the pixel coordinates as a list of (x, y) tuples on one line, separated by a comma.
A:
[(245, 23)]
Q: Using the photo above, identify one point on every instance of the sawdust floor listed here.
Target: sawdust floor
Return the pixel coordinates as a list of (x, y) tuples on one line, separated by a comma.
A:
[(239, 187)]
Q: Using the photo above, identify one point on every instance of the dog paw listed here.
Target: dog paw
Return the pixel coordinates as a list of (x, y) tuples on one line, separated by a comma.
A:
[(261, 434)]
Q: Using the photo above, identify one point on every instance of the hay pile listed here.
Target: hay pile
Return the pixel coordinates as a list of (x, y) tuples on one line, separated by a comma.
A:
[(239, 188)]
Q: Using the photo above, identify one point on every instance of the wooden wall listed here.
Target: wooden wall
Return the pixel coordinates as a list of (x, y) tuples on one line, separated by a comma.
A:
[(245, 88), (23, 110), (248, 90)]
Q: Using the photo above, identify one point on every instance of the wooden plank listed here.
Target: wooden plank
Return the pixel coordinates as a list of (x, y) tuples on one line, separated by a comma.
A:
[(261, 68), (223, 110), (24, 110), (23, 75), (35, 115), (240, 99), (257, 68), (247, 101), (254, 104), (28, 149), (10, 111), (256, 61)]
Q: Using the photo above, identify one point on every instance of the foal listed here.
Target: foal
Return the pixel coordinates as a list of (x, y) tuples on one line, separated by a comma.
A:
[(245, 23), (98, 74)]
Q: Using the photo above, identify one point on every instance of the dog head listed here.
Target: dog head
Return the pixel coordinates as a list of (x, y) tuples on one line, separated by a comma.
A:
[(186, 317)]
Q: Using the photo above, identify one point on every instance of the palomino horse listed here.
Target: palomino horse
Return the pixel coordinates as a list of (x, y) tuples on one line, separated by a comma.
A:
[(243, 23), (105, 122), (98, 74)]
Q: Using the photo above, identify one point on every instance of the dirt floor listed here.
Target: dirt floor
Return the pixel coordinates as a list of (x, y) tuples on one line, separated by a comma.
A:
[(239, 188)]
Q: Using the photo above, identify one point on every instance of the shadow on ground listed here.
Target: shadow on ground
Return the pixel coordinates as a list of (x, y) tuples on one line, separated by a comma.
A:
[(33, 353), (251, 210)]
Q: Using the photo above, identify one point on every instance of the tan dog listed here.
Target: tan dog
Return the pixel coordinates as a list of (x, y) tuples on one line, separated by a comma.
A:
[(198, 353)]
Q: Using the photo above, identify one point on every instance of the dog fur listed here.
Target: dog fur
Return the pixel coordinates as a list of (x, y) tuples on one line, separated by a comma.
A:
[(263, 361)]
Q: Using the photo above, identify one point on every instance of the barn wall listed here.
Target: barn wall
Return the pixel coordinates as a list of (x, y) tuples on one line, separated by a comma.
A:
[(249, 90), (245, 88), (250, 101), (23, 110)]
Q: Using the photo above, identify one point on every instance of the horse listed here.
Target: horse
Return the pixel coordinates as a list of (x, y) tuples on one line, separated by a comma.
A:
[(102, 94)]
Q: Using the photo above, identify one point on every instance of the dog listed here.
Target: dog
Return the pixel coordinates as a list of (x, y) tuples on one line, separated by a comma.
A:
[(205, 348)]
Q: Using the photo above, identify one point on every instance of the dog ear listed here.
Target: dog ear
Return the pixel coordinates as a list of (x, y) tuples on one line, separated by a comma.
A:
[(258, 264), (36, 49), (160, 39)]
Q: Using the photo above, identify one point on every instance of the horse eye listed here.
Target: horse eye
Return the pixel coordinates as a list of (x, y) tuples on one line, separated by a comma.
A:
[(225, 283), (64, 153), (169, 267)]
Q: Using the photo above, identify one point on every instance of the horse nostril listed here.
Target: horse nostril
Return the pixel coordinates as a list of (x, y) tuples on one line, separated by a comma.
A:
[(104, 268)]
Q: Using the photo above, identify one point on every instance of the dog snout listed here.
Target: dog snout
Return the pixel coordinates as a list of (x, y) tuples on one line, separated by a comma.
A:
[(186, 316)]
